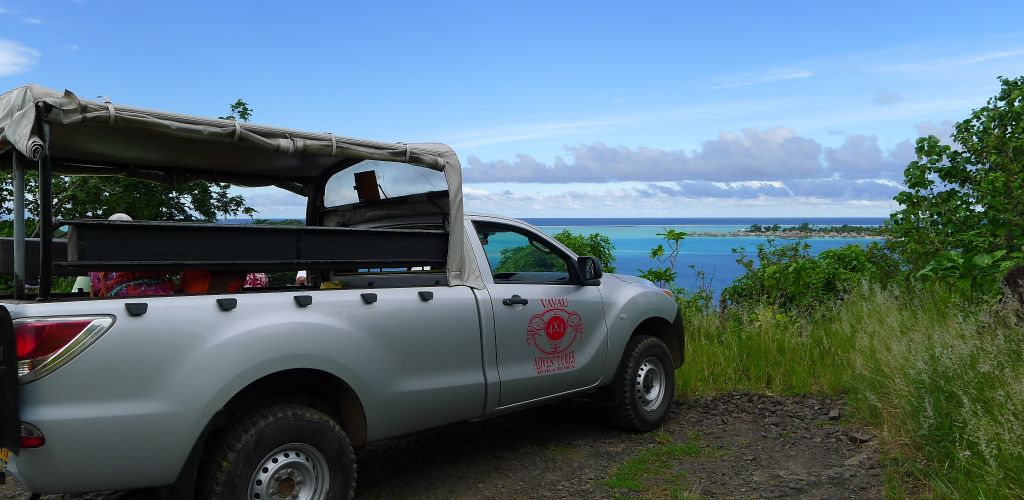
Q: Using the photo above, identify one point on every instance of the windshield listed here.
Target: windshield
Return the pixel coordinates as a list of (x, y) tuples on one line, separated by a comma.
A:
[(394, 179)]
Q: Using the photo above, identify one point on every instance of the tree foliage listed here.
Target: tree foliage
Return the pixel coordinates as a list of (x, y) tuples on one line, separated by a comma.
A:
[(240, 110), (665, 276), (594, 245), (530, 258), (806, 228), (89, 197), (527, 258), (966, 198)]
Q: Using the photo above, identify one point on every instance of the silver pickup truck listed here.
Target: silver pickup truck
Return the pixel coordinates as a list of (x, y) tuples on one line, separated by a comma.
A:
[(415, 314)]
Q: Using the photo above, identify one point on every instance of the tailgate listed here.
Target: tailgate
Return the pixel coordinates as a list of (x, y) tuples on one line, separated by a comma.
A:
[(10, 420)]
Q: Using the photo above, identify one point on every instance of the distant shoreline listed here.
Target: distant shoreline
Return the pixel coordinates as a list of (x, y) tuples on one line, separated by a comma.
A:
[(792, 235)]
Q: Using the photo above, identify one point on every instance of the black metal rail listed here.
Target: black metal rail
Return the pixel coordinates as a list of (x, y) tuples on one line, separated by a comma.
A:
[(112, 245)]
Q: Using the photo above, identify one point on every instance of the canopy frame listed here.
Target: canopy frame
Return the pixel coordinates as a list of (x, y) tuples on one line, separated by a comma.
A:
[(45, 216), (68, 135), (19, 226)]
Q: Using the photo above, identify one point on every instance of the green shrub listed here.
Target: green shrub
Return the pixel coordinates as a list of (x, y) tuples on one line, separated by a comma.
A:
[(789, 278), (692, 302), (979, 274)]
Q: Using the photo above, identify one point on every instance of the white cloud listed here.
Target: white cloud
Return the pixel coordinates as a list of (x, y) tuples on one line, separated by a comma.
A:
[(991, 56), (777, 76), (772, 169), (521, 132), (752, 155), (272, 202), (925, 65), (942, 130), (617, 202), (860, 157), (886, 98), (72, 48), (31, 20), (16, 58), (529, 131)]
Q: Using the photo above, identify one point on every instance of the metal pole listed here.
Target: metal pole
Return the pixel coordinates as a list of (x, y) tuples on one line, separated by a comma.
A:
[(314, 212), (45, 216), (19, 227)]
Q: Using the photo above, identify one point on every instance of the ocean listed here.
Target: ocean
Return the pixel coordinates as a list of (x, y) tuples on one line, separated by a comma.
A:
[(634, 239)]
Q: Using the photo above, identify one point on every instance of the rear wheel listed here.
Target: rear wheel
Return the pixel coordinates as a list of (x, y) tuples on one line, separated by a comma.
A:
[(280, 452), (644, 385)]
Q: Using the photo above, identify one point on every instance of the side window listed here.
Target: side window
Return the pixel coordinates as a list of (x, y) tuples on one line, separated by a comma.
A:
[(515, 257)]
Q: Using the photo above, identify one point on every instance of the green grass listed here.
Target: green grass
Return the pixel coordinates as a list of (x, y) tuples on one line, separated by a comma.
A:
[(646, 470), (942, 380), (761, 350)]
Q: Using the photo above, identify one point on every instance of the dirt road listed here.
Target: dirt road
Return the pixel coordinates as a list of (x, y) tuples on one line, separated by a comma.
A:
[(734, 445)]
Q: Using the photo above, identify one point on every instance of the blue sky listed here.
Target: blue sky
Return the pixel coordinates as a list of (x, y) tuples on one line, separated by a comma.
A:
[(671, 109)]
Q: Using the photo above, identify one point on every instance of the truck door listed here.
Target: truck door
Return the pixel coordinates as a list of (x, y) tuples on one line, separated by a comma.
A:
[(550, 331)]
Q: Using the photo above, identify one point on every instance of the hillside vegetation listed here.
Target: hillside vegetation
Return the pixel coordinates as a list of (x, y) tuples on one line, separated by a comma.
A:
[(924, 335), (938, 376)]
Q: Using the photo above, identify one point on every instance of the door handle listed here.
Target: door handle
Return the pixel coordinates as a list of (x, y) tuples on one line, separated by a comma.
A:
[(515, 300)]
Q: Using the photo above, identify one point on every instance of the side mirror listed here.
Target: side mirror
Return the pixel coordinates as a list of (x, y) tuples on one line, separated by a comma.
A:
[(590, 270)]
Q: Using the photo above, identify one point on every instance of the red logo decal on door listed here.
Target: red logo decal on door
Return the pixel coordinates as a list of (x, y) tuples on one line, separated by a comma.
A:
[(553, 332)]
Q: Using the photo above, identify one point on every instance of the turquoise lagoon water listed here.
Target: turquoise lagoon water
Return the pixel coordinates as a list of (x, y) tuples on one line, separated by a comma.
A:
[(711, 254)]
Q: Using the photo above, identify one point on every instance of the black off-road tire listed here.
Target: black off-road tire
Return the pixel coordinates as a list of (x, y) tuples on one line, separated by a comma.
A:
[(232, 459), (633, 410)]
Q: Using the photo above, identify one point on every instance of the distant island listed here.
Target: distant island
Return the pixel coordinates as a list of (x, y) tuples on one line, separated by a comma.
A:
[(802, 230)]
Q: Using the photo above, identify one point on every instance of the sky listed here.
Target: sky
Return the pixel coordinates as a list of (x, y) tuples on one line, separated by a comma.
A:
[(561, 109)]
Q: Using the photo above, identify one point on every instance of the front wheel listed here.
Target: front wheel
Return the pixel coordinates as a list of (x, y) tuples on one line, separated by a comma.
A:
[(644, 385), (280, 452)]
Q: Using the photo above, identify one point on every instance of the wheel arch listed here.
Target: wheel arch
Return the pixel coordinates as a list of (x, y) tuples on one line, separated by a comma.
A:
[(328, 393), (669, 332), (324, 391)]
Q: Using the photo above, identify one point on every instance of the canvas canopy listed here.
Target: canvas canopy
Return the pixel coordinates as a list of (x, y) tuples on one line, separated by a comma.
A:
[(101, 138)]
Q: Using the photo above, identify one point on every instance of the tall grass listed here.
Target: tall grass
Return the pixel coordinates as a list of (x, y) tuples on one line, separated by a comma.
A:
[(941, 379), (761, 350)]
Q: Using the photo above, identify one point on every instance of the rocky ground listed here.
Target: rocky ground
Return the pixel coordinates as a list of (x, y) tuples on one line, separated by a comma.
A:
[(732, 445)]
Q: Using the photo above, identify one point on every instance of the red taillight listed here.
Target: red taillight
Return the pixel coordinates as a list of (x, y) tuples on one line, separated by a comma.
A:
[(31, 436), (36, 339), (45, 344)]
